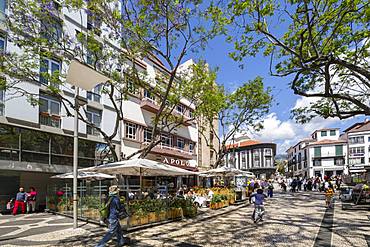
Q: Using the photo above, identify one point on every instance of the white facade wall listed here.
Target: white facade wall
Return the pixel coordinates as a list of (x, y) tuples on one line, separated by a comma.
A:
[(365, 155), (327, 158), (19, 108)]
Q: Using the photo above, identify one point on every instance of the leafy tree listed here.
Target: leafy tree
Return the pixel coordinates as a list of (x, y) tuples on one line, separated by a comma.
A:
[(235, 112), (119, 37), (321, 46)]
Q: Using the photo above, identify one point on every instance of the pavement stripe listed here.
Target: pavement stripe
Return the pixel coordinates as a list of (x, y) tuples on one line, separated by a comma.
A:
[(324, 236)]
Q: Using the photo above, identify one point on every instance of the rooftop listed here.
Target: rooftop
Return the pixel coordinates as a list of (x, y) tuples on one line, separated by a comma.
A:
[(245, 143), (359, 127), (326, 141)]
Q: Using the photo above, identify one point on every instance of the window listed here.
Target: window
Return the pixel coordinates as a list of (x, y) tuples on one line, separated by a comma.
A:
[(244, 161), (357, 151), (317, 163), (48, 67), (256, 158), (2, 100), (317, 152), (323, 133), (51, 30), (147, 135), (94, 116), (2, 7), (94, 95), (268, 152), (94, 23), (2, 43), (191, 114), (211, 137), (191, 147), (339, 161), (332, 132), (148, 95), (166, 140), (180, 109), (338, 150), (356, 140), (131, 131), (49, 111), (132, 88), (356, 161), (180, 143)]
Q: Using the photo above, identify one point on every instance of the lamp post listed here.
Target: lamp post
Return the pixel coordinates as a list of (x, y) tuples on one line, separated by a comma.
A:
[(80, 76)]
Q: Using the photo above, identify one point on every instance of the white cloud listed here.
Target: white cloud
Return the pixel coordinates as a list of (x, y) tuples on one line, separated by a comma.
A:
[(286, 133)]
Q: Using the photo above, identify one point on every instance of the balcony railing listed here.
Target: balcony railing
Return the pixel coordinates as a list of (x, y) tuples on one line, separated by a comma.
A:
[(49, 120), (328, 155), (172, 151), (149, 105)]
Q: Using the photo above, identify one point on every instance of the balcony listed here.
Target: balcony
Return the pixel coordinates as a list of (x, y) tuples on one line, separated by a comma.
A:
[(171, 151), (185, 118), (149, 105), (328, 156), (49, 120)]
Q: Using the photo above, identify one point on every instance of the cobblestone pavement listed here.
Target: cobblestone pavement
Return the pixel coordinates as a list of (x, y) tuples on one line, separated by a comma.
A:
[(291, 220)]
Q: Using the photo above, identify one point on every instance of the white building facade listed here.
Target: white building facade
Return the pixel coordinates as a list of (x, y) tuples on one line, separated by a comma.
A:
[(37, 141), (324, 154), (358, 136), (252, 155)]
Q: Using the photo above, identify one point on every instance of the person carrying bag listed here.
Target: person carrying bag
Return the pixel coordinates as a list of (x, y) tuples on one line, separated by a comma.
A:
[(112, 216)]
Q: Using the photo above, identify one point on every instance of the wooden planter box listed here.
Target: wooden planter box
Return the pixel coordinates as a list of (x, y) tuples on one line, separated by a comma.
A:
[(134, 220), (152, 217), (161, 216), (216, 205), (144, 220)]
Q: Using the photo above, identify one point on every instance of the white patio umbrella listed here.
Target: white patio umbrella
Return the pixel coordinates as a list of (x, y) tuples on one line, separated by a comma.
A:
[(141, 167), (221, 171), (86, 175), (89, 175), (247, 174)]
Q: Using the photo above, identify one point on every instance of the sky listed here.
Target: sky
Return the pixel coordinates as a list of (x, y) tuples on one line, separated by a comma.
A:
[(278, 125)]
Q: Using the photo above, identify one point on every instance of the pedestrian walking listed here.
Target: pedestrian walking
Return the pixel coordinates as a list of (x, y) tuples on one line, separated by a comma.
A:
[(31, 200), (294, 185), (299, 184), (116, 211), (329, 194), (20, 200), (270, 189)]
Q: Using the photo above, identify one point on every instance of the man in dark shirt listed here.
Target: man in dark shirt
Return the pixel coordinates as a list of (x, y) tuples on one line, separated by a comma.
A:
[(20, 201), (115, 208)]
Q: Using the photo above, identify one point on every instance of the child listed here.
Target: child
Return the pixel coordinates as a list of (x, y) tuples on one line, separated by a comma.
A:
[(329, 194), (10, 205)]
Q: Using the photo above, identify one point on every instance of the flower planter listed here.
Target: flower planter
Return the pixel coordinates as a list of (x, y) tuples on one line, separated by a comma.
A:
[(45, 114), (51, 206), (152, 217), (55, 117), (144, 220), (161, 216), (134, 220)]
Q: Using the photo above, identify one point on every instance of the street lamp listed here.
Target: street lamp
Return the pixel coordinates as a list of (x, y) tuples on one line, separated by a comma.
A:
[(80, 76)]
